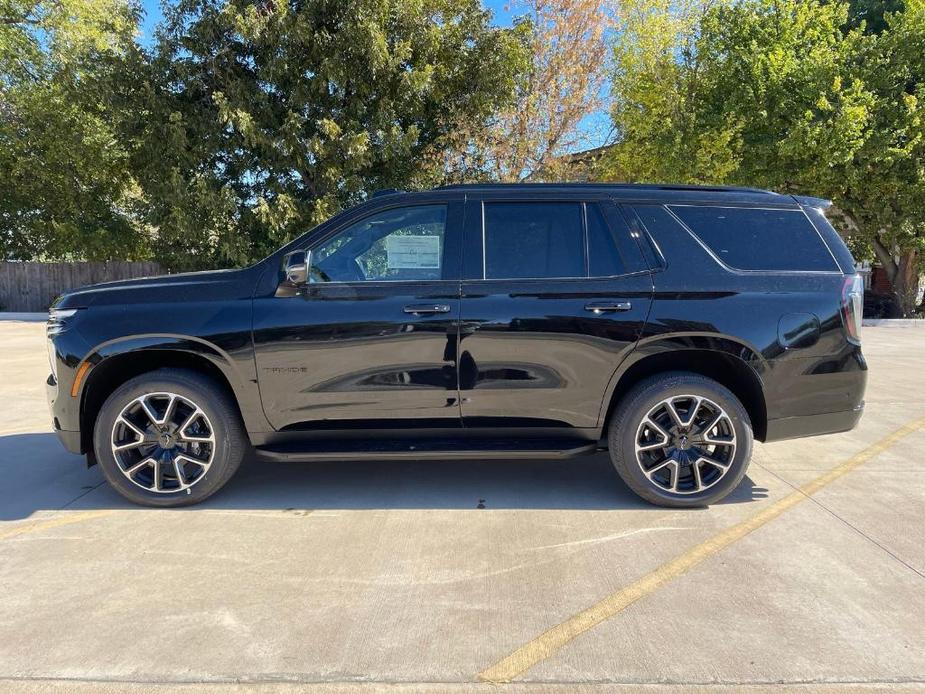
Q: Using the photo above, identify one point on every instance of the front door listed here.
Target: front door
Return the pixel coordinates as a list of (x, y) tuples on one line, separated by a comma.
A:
[(372, 336), (555, 295)]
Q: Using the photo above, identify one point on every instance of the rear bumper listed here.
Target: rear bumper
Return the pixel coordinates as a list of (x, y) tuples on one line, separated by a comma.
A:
[(813, 425)]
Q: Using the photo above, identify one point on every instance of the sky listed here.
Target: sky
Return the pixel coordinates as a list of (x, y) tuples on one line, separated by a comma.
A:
[(152, 11)]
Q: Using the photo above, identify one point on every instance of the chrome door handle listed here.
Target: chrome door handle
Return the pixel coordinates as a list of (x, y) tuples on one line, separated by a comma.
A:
[(606, 306), (421, 309)]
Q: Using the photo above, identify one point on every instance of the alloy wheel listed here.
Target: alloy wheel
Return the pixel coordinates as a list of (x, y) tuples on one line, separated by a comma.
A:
[(163, 442), (685, 444)]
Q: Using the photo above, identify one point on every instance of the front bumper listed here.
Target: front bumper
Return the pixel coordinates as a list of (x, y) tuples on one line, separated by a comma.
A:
[(813, 425), (71, 440)]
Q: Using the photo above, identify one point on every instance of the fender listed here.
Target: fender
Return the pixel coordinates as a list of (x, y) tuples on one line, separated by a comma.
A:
[(239, 373), (675, 346)]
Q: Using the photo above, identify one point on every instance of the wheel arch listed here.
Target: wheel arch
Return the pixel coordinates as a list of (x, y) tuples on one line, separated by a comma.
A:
[(116, 363), (725, 365)]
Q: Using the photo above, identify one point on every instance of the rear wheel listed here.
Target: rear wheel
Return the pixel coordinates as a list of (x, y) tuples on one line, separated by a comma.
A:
[(680, 440), (171, 437)]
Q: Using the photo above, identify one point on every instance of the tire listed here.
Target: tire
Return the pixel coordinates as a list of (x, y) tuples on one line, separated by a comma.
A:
[(698, 466), (149, 465)]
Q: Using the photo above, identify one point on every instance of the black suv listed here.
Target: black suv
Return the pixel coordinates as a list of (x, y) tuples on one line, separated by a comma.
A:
[(670, 325)]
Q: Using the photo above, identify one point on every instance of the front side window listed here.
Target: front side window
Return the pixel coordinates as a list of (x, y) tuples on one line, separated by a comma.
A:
[(405, 243), (533, 240)]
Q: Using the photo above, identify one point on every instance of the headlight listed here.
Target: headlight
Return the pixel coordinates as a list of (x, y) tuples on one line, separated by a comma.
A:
[(57, 318)]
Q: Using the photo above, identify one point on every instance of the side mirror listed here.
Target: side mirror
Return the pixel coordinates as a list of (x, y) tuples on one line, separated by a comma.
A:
[(295, 267)]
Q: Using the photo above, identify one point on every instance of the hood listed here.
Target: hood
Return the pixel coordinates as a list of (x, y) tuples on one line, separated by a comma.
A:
[(186, 286)]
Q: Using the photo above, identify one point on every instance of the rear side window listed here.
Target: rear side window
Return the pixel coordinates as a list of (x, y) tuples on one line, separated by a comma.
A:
[(832, 238), (758, 239), (603, 257), (537, 240), (530, 240)]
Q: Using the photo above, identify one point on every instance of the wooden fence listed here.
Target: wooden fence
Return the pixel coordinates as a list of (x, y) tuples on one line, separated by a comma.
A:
[(30, 287)]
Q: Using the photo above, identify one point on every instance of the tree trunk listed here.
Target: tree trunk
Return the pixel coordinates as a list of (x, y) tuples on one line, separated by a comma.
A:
[(906, 284), (903, 274), (903, 277)]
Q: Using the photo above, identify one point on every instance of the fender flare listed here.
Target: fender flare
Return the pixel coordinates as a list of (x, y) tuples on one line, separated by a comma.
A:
[(243, 385), (678, 344)]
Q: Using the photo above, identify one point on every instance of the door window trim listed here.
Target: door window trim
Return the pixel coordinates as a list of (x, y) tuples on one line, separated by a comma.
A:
[(648, 245)]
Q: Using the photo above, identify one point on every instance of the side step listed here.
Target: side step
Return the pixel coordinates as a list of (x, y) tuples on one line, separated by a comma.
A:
[(456, 449)]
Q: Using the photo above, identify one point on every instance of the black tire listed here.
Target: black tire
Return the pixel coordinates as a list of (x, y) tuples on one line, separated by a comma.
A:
[(229, 448), (625, 427)]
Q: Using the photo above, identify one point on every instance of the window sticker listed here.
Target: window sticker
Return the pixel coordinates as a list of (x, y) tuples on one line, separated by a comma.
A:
[(413, 252)]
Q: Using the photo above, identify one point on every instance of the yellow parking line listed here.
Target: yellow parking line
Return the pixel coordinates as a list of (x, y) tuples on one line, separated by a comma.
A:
[(549, 642), (74, 517)]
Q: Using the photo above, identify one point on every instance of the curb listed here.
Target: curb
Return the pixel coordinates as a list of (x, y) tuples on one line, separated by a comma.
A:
[(893, 323), (27, 317)]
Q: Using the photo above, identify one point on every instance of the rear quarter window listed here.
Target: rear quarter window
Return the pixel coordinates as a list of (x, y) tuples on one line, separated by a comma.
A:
[(758, 239)]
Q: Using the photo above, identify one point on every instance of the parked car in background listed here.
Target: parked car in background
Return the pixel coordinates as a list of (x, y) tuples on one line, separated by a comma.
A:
[(670, 325)]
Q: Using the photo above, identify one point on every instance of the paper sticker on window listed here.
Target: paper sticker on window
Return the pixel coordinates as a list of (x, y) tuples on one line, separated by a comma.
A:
[(407, 252)]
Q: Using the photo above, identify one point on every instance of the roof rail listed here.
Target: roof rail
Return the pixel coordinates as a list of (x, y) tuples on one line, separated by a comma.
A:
[(808, 201), (385, 191), (621, 186)]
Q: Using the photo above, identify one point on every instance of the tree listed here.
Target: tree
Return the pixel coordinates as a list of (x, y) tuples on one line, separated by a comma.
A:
[(561, 86), (786, 94), (659, 91), (262, 119), (883, 194), (65, 185), (872, 14)]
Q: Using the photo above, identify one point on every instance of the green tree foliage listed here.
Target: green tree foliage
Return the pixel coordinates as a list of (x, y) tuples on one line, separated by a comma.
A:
[(65, 184), (262, 119), (786, 94), (658, 89), (243, 125)]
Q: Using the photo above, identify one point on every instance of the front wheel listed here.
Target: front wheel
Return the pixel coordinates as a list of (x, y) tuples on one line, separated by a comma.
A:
[(170, 437), (680, 440)]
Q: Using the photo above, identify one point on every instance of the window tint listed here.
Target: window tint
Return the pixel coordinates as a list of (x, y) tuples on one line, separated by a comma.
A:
[(533, 240), (750, 239), (405, 243), (603, 257)]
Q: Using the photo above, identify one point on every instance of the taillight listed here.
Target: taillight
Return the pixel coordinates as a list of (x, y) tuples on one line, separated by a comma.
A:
[(852, 307)]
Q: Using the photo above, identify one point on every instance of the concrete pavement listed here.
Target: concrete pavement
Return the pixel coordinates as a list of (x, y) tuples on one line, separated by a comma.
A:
[(419, 576)]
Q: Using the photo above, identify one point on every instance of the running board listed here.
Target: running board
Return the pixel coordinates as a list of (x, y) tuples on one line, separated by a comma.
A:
[(444, 449)]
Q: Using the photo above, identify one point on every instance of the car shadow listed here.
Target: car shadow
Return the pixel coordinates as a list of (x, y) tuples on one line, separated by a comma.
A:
[(42, 476)]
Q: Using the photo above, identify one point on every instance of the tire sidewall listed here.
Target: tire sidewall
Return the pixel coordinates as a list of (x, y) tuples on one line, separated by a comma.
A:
[(200, 391), (625, 424)]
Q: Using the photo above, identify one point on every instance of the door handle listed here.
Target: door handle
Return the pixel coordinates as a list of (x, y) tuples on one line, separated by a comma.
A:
[(606, 306), (422, 309)]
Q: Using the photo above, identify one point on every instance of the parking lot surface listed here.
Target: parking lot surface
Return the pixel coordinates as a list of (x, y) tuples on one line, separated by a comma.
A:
[(458, 576)]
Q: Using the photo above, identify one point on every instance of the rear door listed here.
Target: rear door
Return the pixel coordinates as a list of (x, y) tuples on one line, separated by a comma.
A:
[(371, 338), (555, 294)]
